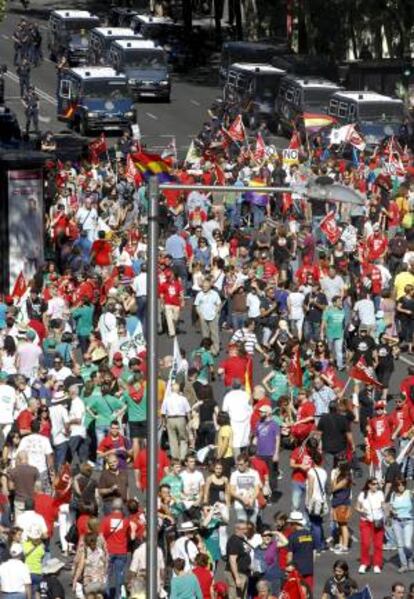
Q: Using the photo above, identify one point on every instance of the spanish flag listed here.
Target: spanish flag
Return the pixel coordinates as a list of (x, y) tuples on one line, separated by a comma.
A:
[(314, 122), (152, 165)]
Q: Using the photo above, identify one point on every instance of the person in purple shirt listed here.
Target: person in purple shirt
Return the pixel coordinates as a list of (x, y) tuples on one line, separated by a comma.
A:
[(268, 444)]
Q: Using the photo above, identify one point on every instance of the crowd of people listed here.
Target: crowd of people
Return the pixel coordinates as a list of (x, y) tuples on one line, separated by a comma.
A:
[(288, 338)]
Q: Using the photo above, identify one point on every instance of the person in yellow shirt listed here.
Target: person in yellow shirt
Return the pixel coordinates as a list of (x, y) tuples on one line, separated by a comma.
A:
[(402, 200), (404, 278)]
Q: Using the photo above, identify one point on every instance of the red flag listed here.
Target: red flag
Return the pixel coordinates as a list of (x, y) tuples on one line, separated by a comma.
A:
[(364, 373), (260, 149), (330, 228), (295, 374), (220, 176), (98, 147), (295, 143), (20, 286), (236, 130), (287, 202)]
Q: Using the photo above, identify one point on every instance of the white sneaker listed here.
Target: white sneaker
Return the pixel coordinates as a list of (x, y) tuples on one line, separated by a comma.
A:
[(377, 570), (362, 569)]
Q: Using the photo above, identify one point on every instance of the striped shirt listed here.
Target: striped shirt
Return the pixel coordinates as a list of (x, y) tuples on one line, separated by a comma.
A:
[(247, 338)]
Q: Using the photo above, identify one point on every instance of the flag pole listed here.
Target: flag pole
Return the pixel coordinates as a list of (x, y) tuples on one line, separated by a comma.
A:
[(152, 395)]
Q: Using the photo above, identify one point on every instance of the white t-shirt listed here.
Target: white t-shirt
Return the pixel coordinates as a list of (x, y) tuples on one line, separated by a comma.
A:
[(245, 484), (29, 356), (139, 562), (59, 417), (77, 411), (295, 303), (14, 575), (253, 304), (366, 311), (7, 404), (61, 374), (317, 494), (372, 505), (56, 307), (192, 483), (186, 549), (29, 520), (37, 447)]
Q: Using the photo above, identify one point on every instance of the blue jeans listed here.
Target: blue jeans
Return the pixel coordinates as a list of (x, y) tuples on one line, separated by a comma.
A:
[(316, 523), (116, 575), (258, 213), (311, 330), (80, 446), (298, 495), (403, 530), (238, 320), (61, 452)]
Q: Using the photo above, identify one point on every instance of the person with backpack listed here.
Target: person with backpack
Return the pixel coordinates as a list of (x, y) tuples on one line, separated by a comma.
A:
[(202, 360)]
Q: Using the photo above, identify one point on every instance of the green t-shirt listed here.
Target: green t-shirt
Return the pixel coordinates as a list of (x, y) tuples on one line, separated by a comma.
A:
[(84, 320), (87, 370), (136, 410), (176, 485), (279, 384), (207, 360), (334, 322), (88, 400), (105, 406)]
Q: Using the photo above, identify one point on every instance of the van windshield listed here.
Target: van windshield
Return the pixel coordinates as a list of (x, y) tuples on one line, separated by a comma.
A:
[(76, 25), (267, 85), (317, 97), (105, 88), (380, 111), (145, 59)]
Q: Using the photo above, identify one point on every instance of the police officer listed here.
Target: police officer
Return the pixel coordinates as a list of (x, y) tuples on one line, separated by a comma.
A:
[(17, 39), (31, 104), (23, 72)]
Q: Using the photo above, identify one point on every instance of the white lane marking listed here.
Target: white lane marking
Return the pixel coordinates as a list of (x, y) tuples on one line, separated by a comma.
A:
[(43, 95), (48, 60), (5, 37), (152, 116), (195, 102), (406, 360), (44, 119), (12, 98)]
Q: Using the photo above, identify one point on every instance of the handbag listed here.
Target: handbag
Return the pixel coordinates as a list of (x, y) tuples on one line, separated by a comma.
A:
[(379, 523), (318, 507), (72, 536)]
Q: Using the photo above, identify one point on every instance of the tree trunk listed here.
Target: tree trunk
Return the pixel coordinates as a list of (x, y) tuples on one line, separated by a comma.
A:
[(218, 15), (188, 15), (238, 18)]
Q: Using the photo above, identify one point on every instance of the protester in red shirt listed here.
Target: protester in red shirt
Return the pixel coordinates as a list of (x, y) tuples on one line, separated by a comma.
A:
[(379, 428), (115, 443), (305, 418), (26, 417), (115, 530), (141, 467), (301, 461), (402, 419), (233, 367), (172, 299), (204, 575), (377, 244), (101, 251)]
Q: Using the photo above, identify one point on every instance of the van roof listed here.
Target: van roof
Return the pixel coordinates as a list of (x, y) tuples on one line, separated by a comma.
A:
[(97, 73), (135, 44), (368, 96), (257, 67), (315, 82), (116, 32), (157, 20), (74, 14)]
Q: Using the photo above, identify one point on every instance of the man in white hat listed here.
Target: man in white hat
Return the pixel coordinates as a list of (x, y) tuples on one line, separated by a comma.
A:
[(185, 547), (300, 547), (15, 575)]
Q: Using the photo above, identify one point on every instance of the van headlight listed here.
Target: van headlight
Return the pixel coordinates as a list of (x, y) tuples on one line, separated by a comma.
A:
[(92, 114), (164, 82), (130, 114)]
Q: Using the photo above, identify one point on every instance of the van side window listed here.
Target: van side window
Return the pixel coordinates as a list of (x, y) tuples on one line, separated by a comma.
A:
[(65, 88), (333, 108), (289, 94), (343, 110), (352, 111), (297, 97)]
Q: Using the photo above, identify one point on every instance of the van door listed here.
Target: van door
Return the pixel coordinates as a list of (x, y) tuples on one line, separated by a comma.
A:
[(65, 107)]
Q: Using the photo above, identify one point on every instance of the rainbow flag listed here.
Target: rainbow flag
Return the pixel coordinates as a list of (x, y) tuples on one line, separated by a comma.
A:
[(314, 122), (152, 165), (255, 197)]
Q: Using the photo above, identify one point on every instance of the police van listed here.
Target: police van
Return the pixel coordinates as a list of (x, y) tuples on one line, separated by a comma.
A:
[(377, 116), (145, 67), (101, 39), (157, 29), (69, 34), (255, 88), (298, 95), (247, 52), (95, 99)]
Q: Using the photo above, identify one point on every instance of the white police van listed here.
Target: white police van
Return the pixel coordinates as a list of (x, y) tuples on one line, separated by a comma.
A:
[(101, 39), (298, 95), (376, 116), (68, 34), (95, 99), (145, 67)]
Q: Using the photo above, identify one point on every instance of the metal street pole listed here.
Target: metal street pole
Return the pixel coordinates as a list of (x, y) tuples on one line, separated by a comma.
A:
[(152, 392)]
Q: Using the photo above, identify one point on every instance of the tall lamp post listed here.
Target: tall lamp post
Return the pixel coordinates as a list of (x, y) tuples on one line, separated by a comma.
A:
[(331, 193)]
